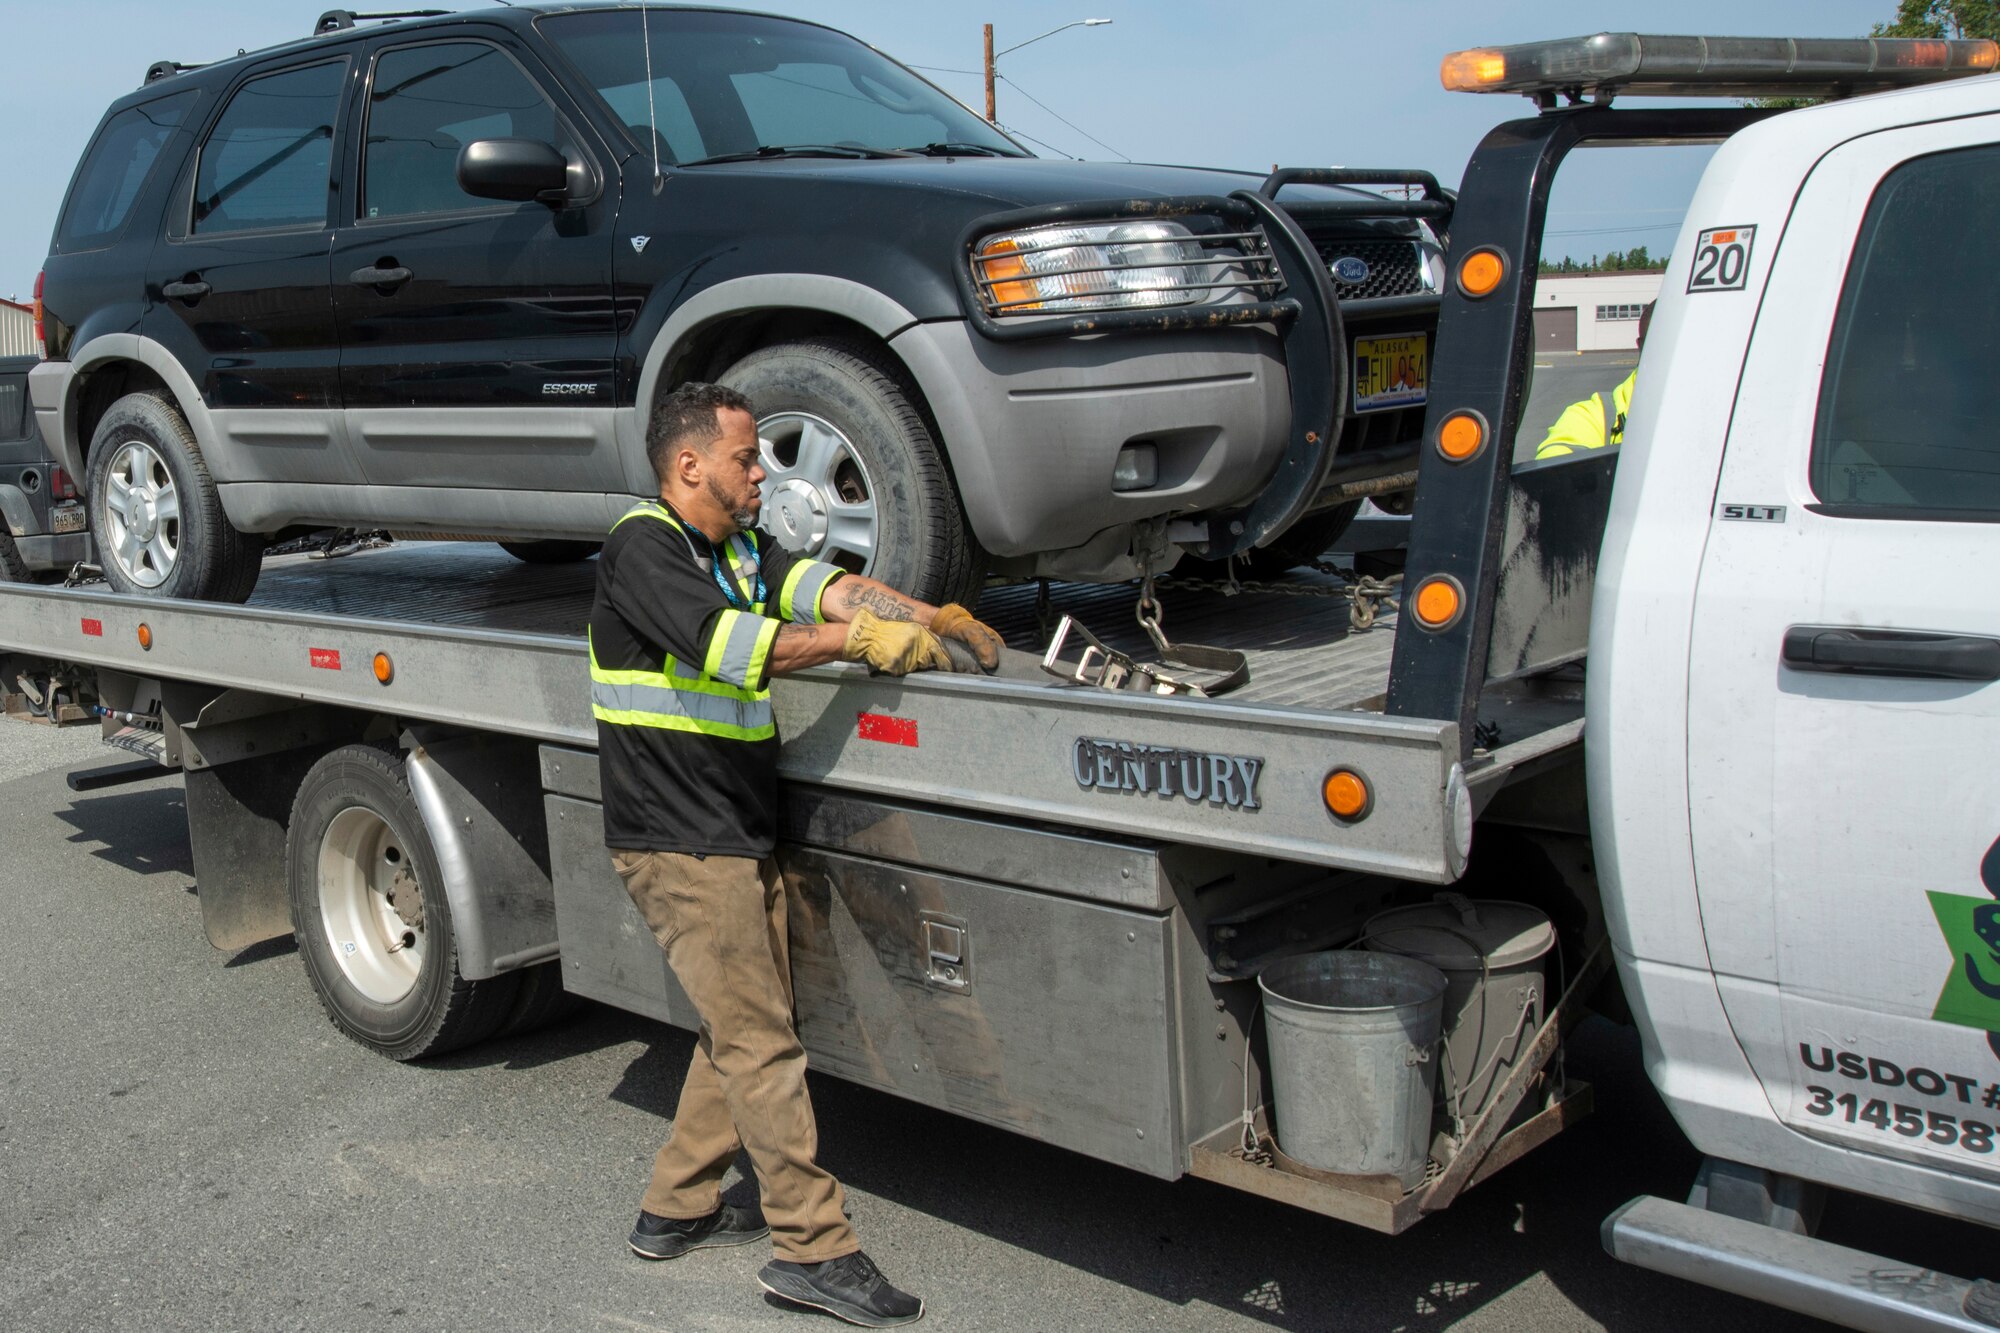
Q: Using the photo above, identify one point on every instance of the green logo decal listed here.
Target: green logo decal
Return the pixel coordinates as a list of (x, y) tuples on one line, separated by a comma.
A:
[(1971, 994)]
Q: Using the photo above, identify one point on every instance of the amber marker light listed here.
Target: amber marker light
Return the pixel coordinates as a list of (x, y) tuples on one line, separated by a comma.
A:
[(1472, 71), (146, 637), (1480, 272), (1002, 265), (1438, 601), (1461, 435), (1347, 794), (385, 670), (1984, 55)]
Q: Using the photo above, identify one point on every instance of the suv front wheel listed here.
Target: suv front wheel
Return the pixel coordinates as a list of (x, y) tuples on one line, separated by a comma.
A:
[(159, 525), (854, 474)]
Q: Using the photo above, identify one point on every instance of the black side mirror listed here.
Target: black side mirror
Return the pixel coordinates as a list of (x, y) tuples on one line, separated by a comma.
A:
[(518, 169)]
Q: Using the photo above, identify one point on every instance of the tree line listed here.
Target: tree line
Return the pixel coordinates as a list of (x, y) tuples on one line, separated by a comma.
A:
[(1635, 260)]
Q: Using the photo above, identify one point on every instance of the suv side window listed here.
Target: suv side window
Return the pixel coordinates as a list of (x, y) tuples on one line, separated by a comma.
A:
[(268, 161), (426, 103), (116, 167), (1905, 426)]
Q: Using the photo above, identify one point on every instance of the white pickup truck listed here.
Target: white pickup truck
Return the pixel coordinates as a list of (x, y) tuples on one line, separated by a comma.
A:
[(1792, 714)]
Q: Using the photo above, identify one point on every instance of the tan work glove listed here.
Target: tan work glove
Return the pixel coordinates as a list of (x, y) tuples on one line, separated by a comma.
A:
[(953, 621), (893, 647)]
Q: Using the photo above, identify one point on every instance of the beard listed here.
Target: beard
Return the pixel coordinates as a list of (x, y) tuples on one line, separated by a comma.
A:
[(739, 507)]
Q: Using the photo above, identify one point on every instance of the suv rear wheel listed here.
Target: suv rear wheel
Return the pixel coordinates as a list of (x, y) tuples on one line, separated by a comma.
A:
[(159, 525), (855, 476)]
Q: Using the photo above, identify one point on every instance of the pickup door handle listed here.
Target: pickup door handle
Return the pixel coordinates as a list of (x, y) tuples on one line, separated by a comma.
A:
[(379, 277), (1892, 652), (185, 291)]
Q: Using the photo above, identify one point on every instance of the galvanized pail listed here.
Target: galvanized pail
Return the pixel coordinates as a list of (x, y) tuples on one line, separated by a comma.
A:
[(1352, 1062)]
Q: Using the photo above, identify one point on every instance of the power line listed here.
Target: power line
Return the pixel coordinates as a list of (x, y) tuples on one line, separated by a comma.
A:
[(946, 69), (1613, 231), (1079, 129), (1032, 139)]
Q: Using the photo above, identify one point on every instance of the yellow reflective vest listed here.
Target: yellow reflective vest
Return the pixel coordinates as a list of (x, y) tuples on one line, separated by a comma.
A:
[(1585, 424), (727, 693)]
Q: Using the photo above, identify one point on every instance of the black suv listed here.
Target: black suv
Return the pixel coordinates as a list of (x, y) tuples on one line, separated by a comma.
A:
[(429, 276)]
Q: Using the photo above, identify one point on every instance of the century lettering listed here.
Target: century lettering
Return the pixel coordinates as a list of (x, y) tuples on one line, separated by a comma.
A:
[(1196, 776)]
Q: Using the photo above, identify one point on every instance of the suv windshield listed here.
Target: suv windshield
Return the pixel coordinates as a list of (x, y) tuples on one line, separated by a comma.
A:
[(728, 84)]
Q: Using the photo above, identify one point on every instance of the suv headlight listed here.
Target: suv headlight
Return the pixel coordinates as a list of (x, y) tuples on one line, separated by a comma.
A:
[(1101, 266)]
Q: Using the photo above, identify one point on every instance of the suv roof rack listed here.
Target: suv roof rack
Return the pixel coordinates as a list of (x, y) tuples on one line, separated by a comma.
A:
[(339, 20), (1600, 66), (165, 69)]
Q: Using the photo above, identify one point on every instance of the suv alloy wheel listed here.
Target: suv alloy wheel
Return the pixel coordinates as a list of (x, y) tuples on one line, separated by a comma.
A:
[(153, 507)]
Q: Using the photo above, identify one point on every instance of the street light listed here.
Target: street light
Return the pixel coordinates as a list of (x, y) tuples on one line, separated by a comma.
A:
[(992, 56)]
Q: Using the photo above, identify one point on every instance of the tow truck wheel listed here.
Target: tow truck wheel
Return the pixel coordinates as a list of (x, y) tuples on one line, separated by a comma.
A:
[(854, 475), (154, 509), (369, 910), (551, 552)]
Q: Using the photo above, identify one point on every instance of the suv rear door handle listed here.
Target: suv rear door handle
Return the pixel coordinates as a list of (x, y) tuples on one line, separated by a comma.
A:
[(185, 291), (1892, 652), (379, 277)]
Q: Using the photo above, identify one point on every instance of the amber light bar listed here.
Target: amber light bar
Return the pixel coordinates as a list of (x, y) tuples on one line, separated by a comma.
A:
[(1653, 66)]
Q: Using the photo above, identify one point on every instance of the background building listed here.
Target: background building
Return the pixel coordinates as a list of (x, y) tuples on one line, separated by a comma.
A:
[(1591, 312), (17, 329)]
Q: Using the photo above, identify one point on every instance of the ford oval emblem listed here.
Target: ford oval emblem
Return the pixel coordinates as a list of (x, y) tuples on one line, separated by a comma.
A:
[(1351, 269)]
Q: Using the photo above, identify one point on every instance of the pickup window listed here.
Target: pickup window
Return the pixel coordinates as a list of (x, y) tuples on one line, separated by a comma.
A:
[(1905, 424)]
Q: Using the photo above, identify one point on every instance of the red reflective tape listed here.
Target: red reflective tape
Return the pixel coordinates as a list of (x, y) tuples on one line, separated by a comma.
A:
[(94, 628), (326, 658), (889, 730)]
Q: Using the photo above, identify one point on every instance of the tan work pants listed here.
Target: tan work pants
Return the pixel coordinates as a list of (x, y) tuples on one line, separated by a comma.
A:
[(722, 921)]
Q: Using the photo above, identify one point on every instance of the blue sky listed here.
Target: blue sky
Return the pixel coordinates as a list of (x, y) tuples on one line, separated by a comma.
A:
[(1205, 82)]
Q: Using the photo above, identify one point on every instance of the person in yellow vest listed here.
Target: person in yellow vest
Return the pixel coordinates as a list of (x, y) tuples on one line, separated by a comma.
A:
[(695, 611), (1592, 423)]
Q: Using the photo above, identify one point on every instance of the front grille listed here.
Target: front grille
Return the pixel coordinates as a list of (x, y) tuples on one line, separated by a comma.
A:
[(1395, 268)]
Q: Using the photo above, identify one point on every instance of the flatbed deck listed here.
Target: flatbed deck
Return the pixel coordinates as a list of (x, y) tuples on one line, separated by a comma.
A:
[(479, 640), (1302, 652)]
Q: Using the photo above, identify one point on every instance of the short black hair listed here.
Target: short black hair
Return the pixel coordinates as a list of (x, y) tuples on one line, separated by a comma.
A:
[(688, 416)]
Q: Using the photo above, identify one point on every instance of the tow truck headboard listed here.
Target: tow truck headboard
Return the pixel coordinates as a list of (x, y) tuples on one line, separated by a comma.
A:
[(1500, 567), (1463, 623)]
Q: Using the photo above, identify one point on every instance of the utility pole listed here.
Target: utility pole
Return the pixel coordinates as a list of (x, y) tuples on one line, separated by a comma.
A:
[(989, 74)]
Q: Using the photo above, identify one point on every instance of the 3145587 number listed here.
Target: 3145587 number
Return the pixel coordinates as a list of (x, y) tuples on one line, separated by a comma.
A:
[(1911, 1122)]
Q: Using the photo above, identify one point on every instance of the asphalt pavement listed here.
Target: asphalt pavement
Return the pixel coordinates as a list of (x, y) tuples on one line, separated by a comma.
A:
[(187, 1143)]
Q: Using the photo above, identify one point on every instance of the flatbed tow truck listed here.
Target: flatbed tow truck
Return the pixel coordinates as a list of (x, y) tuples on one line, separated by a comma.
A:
[(1041, 903)]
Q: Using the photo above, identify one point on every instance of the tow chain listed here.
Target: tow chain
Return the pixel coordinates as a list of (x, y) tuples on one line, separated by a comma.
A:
[(331, 545), (1367, 593)]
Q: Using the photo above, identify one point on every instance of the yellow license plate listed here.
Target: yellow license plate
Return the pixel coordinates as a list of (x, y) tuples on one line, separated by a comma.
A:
[(1391, 372)]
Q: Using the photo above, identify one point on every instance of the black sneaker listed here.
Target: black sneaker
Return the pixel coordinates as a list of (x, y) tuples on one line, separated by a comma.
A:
[(670, 1238), (850, 1287)]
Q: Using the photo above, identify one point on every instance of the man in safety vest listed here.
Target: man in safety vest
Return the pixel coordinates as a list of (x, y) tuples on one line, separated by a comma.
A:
[(1590, 423), (695, 611)]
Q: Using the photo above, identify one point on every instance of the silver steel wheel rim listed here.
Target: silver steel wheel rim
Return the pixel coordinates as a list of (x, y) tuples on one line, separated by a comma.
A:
[(362, 862), (819, 500), (142, 515)]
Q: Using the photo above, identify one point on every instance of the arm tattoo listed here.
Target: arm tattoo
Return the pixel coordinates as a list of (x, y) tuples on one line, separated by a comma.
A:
[(886, 606), (794, 631)]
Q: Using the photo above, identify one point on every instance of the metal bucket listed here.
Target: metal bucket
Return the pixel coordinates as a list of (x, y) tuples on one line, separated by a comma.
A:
[(1352, 1061), (1492, 953)]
